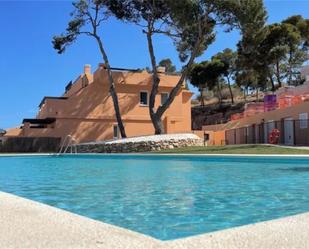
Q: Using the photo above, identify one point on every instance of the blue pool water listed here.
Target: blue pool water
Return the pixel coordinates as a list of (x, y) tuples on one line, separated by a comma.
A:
[(166, 197)]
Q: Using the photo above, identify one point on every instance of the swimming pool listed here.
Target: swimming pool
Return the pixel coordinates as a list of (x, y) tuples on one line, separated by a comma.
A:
[(166, 197)]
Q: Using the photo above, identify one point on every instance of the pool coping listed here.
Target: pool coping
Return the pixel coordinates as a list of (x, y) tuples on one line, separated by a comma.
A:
[(30, 224), (153, 154)]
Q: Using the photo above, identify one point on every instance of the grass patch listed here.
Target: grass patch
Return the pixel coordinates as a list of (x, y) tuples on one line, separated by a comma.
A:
[(236, 149)]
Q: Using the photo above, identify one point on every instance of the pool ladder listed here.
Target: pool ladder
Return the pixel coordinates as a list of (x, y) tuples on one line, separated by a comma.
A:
[(69, 141)]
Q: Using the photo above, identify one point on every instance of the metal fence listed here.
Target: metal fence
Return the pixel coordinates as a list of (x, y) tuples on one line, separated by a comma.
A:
[(291, 132)]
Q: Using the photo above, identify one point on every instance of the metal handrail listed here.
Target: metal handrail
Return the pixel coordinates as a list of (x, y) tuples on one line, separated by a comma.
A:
[(70, 143), (67, 142), (63, 143)]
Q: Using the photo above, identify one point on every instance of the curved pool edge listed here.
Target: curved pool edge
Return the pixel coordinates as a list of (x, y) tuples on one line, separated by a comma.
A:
[(27, 223)]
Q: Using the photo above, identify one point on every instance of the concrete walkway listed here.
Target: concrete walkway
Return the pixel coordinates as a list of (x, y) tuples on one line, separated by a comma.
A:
[(29, 224)]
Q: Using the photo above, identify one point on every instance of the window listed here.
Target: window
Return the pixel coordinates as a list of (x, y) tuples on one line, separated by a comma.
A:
[(303, 120), (116, 131), (164, 97), (143, 98)]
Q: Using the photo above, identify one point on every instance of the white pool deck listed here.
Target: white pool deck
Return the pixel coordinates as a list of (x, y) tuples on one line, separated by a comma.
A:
[(28, 224)]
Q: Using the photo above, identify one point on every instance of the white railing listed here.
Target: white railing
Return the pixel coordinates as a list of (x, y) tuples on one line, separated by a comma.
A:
[(69, 141)]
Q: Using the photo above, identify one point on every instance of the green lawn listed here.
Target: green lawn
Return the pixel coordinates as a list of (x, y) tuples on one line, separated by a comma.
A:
[(236, 149)]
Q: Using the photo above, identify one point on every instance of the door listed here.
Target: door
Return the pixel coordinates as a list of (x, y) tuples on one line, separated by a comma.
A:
[(257, 134), (288, 131), (268, 127)]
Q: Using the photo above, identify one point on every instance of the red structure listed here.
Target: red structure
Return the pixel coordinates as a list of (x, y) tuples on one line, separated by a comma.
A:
[(274, 136)]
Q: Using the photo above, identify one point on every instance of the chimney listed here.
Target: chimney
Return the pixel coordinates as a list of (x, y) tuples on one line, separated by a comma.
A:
[(87, 69), (161, 69), (102, 65)]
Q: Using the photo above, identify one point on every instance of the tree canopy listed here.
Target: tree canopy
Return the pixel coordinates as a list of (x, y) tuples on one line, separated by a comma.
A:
[(228, 57), (87, 17), (191, 26), (168, 64), (206, 75)]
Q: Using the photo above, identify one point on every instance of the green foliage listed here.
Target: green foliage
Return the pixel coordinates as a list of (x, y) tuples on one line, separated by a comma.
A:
[(197, 76), (228, 57), (302, 26), (282, 51), (207, 73), (247, 79), (252, 18), (190, 23), (85, 12), (280, 41), (62, 41), (193, 22), (168, 64), (86, 20), (187, 22), (298, 52)]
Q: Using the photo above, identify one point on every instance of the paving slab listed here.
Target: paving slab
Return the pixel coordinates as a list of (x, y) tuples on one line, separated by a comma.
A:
[(29, 224), (286, 233)]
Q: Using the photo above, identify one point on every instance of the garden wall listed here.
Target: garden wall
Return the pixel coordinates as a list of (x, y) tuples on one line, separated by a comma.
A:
[(141, 144)]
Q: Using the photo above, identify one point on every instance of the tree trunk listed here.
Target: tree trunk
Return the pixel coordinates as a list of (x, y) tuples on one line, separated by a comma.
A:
[(156, 116), (257, 94), (112, 89), (290, 74), (245, 96), (202, 97), (158, 124), (183, 76), (219, 93), (156, 119), (273, 87), (230, 88), (278, 73)]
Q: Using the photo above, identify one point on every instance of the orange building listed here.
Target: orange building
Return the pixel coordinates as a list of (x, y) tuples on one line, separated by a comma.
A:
[(85, 111), (290, 117), (292, 121)]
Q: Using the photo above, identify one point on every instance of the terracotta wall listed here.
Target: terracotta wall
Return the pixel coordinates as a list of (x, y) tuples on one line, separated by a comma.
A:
[(240, 135), (88, 113), (216, 138), (289, 112)]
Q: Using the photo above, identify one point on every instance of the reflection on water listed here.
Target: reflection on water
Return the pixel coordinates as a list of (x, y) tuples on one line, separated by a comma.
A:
[(296, 169), (166, 198)]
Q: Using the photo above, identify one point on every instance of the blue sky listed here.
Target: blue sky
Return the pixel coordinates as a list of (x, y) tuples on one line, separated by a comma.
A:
[(30, 68)]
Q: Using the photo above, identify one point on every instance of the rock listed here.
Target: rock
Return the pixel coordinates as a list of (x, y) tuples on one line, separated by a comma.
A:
[(142, 144)]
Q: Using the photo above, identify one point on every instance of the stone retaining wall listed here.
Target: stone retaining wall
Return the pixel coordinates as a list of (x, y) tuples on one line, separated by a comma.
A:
[(140, 146)]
